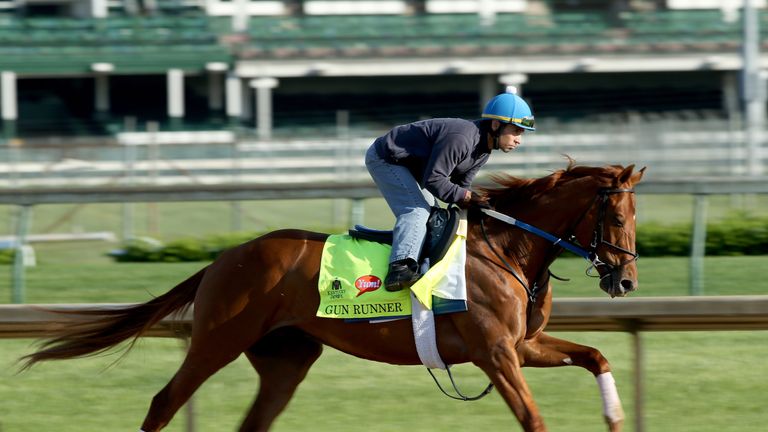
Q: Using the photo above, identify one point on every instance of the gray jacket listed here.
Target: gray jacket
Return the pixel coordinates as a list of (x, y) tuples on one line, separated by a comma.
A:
[(443, 154)]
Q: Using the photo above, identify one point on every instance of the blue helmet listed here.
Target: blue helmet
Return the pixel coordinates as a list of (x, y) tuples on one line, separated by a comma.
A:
[(508, 107)]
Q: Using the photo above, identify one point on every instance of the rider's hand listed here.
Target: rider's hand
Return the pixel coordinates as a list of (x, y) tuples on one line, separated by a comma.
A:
[(475, 201), (479, 201)]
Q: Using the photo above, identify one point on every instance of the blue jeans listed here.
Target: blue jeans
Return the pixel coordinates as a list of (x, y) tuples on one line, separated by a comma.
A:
[(408, 201)]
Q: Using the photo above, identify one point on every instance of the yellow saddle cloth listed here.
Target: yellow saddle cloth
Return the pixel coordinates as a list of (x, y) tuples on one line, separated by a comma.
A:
[(351, 281)]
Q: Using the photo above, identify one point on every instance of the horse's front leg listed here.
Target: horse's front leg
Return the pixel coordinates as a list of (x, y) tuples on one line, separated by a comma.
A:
[(502, 365), (547, 351)]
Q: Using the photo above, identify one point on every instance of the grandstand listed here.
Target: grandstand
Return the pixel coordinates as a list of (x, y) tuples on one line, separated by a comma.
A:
[(81, 67)]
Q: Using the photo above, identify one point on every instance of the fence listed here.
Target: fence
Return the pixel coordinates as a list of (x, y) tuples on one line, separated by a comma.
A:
[(634, 315), (671, 149)]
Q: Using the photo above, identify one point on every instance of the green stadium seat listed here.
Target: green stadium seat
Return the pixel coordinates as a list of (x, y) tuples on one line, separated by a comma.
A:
[(184, 33)]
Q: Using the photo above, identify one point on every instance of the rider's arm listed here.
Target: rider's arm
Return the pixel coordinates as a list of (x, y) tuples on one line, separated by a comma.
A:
[(465, 180), (447, 153)]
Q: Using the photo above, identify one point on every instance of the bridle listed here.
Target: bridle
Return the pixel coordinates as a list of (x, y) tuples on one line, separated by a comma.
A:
[(590, 253), (597, 233)]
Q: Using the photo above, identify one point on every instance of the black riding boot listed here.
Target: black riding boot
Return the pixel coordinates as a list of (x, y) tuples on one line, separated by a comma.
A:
[(401, 274)]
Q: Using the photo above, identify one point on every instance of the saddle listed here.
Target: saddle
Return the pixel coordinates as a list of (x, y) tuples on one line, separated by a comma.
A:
[(441, 226)]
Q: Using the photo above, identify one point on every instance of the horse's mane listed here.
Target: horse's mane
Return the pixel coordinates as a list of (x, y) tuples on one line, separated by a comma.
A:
[(511, 188)]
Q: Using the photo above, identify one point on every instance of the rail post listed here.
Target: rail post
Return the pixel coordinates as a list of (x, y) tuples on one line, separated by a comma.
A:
[(639, 375), (19, 260), (698, 244), (189, 407)]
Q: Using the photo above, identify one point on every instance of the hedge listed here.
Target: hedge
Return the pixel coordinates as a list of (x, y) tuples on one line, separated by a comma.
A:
[(150, 250), (738, 235), (6, 256)]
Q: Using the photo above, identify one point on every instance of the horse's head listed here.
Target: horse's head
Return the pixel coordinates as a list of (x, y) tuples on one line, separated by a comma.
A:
[(607, 229), (591, 206)]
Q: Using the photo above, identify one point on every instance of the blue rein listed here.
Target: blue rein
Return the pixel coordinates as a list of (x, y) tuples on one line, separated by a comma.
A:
[(565, 244)]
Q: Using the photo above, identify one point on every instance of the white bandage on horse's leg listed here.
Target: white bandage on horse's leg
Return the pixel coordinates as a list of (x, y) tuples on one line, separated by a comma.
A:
[(611, 403)]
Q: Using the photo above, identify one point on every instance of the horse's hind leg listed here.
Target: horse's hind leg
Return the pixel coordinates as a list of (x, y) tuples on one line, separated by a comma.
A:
[(207, 354), (282, 360), (547, 351)]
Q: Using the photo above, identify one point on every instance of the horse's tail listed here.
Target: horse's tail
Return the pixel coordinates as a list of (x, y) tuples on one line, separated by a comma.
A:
[(108, 328)]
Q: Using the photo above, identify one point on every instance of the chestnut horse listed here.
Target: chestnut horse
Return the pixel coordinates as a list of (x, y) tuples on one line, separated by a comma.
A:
[(260, 298)]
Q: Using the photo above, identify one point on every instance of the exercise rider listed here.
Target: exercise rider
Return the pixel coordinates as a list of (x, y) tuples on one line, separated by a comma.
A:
[(417, 162)]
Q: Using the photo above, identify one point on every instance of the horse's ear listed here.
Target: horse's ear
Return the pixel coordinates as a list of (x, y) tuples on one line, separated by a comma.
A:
[(625, 175), (638, 175)]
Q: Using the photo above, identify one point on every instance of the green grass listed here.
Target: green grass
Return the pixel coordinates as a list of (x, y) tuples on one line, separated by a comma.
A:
[(712, 381)]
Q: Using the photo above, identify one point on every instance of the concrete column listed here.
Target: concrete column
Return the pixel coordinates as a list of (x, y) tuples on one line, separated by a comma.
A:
[(753, 88), (730, 86), (514, 79), (756, 123), (234, 96), (264, 88), (101, 84), (246, 102), (175, 93), (102, 93), (9, 106), (216, 75), (99, 8), (9, 109), (487, 11), (732, 108), (240, 16)]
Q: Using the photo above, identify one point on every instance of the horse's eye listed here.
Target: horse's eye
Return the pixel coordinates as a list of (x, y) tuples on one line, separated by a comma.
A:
[(618, 221)]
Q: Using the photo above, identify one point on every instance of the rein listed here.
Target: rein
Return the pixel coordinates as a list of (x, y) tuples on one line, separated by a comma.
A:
[(588, 254)]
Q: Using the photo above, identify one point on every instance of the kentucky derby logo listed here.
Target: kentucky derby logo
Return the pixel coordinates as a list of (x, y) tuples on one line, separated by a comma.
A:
[(366, 284), (336, 292)]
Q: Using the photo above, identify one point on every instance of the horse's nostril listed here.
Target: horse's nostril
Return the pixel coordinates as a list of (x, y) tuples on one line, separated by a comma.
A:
[(627, 285)]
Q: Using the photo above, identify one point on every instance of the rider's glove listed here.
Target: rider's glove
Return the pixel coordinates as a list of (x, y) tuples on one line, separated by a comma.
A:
[(475, 201)]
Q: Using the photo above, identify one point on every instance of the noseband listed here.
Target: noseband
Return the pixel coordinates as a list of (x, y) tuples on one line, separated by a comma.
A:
[(571, 244)]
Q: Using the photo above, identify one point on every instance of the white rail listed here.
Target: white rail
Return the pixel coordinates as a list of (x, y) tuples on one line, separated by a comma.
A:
[(568, 314), (691, 148)]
